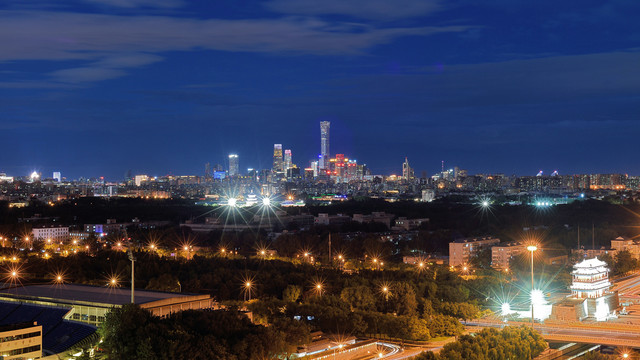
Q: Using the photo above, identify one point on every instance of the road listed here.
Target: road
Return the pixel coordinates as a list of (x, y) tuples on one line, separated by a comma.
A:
[(628, 286), (582, 334)]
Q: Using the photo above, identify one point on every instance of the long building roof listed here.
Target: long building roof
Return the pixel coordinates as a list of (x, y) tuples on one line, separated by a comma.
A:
[(73, 293)]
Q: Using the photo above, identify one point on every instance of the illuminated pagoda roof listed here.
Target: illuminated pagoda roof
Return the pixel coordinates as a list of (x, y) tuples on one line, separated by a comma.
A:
[(590, 267)]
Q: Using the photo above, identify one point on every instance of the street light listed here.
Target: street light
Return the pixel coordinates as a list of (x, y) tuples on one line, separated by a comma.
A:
[(247, 287), (385, 290), (532, 249), (133, 277)]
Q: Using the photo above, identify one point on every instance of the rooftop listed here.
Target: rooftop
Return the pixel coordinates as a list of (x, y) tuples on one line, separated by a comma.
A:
[(85, 293), (18, 326), (471, 240), (590, 263)]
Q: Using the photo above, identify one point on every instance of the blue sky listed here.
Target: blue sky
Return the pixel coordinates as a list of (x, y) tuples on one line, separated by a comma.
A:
[(98, 87)]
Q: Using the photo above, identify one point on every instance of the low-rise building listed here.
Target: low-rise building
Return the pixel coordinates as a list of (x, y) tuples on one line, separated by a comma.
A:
[(376, 216), (625, 244), (402, 223), (55, 233), (21, 341), (326, 219), (462, 250)]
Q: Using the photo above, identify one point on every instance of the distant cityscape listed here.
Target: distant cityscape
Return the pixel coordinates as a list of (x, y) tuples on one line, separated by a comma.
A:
[(328, 178)]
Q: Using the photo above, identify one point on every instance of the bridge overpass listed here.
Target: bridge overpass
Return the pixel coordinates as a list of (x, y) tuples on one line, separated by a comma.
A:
[(583, 334)]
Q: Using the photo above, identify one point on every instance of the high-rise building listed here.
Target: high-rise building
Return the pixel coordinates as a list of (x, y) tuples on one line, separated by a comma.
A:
[(57, 176), (407, 171), (278, 163), (287, 160), (234, 168), (324, 145)]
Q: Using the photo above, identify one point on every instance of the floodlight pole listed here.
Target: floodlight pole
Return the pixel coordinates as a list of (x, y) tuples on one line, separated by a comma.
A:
[(532, 248), (133, 278), (532, 321)]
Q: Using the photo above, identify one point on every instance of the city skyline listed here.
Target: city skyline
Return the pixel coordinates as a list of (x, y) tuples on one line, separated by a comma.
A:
[(94, 87)]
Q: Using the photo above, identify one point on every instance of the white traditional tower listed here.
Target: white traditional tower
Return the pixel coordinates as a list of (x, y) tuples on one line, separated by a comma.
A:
[(590, 279)]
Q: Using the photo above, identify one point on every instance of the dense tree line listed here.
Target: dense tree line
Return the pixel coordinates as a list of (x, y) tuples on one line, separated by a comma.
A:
[(521, 343), (131, 332), (332, 315), (416, 305)]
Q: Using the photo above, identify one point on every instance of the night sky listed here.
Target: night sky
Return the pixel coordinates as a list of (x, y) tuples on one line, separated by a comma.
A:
[(97, 87)]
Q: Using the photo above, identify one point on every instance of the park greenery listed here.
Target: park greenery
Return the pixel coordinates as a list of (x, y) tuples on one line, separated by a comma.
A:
[(131, 332), (520, 342)]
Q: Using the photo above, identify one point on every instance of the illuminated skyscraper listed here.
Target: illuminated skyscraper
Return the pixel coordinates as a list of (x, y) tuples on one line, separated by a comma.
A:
[(325, 154), (233, 165), (407, 171), (278, 163), (287, 160), (57, 176)]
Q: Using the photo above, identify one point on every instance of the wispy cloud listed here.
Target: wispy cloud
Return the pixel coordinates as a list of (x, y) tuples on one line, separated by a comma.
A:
[(139, 3), (363, 9), (86, 74), (109, 44)]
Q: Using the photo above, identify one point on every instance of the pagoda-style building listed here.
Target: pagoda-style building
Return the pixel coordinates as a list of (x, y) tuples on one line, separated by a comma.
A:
[(590, 294), (590, 279)]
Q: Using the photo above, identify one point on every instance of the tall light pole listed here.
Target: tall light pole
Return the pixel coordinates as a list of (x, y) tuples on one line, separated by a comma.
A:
[(532, 248), (133, 278)]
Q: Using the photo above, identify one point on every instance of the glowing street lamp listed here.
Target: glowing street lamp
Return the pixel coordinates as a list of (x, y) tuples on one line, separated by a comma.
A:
[(385, 291), (232, 202), (247, 289), (532, 249), (266, 202), (58, 278)]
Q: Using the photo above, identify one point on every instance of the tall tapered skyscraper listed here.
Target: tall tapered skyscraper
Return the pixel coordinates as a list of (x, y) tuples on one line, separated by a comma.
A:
[(278, 163), (287, 160), (324, 145)]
